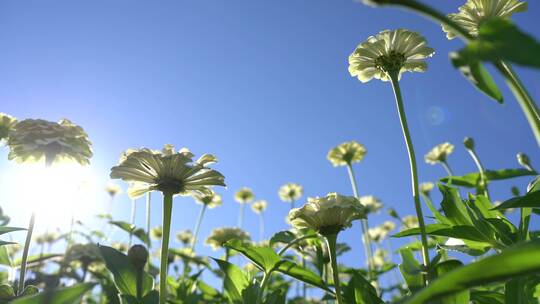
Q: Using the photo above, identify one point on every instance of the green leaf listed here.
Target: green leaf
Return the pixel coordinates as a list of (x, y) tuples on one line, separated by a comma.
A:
[(454, 208), (68, 295), (263, 257), (5, 259), (282, 237), (471, 180), (457, 298), (477, 75), (4, 230), (529, 200), (360, 291), (411, 270), (518, 260), (487, 297), (499, 39), (302, 274), (235, 280), (38, 258), (131, 229), (458, 232)]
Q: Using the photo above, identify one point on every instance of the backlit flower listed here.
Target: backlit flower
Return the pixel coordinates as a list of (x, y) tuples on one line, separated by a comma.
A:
[(156, 232), (410, 221), (211, 200), (259, 206), (185, 237), (475, 12), (390, 51), (6, 125), (113, 189), (244, 196), (381, 232), (290, 192), (84, 253), (371, 203), (38, 139), (379, 258), (426, 188), (47, 238), (439, 153), (167, 171), (328, 214), (220, 236), (347, 153)]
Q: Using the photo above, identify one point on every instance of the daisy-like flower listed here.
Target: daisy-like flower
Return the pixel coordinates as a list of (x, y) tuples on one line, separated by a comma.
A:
[(388, 226), (371, 203), (426, 187), (259, 206), (86, 254), (113, 189), (38, 139), (410, 221), (47, 238), (290, 192), (439, 153), (6, 125), (122, 247), (168, 171), (473, 13), (244, 196), (329, 214), (185, 237), (156, 232), (390, 51), (346, 154), (220, 236), (379, 258), (210, 200), (380, 233)]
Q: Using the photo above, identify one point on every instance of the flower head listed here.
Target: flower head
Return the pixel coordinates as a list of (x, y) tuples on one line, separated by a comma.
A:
[(390, 51), (380, 233), (123, 247), (244, 196), (475, 12), (347, 153), (6, 125), (210, 200), (167, 171), (410, 221), (439, 153), (156, 232), (259, 206), (84, 253), (220, 236), (426, 187), (113, 189), (47, 238), (38, 139), (379, 258), (329, 214), (185, 237), (371, 203), (290, 192)]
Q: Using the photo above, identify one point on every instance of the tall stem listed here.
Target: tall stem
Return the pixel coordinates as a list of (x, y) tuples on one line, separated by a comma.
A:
[(264, 283), (167, 214), (241, 215), (483, 179), (148, 201), (368, 249), (25, 253), (132, 221), (331, 241), (198, 226), (412, 162)]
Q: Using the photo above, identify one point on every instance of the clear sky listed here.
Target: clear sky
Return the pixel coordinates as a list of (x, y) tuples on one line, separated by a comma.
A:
[(261, 84)]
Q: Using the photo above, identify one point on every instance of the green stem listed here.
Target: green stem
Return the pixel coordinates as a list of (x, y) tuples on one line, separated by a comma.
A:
[(304, 286), (241, 215), (412, 162), (295, 241), (167, 214), (264, 283), (331, 240), (148, 201), (132, 222), (483, 179), (198, 226), (25, 253), (368, 249)]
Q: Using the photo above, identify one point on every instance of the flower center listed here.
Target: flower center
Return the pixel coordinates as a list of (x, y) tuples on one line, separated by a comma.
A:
[(392, 62), (170, 186)]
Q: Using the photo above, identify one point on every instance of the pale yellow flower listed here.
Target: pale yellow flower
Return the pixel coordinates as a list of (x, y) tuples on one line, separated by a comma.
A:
[(379, 258), (244, 196), (113, 189), (185, 237), (6, 125), (156, 232), (47, 238), (211, 200), (122, 247), (371, 203), (410, 221), (439, 153), (347, 153), (290, 192), (475, 12), (84, 253), (220, 236), (390, 51), (259, 206), (426, 187), (380, 233)]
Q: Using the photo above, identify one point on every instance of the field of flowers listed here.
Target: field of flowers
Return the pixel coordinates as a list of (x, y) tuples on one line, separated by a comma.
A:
[(462, 249)]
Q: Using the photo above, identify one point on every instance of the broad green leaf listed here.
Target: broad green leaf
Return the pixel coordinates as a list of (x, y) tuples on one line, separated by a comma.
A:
[(360, 291), (411, 270), (515, 291), (458, 232), (263, 257), (276, 297), (251, 293), (6, 293), (529, 200), (487, 297), (516, 261), (4, 257), (302, 274), (459, 297), (282, 237), (68, 295), (131, 229), (499, 39), (453, 207), (4, 230), (38, 258), (235, 280), (478, 75), (471, 180)]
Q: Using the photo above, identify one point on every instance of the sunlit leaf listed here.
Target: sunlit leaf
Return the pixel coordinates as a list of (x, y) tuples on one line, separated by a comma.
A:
[(529, 200), (263, 257), (68, 295), (411, 270), (302, 274), (360, 291), (471, 180), (460, 297), (235, 280)]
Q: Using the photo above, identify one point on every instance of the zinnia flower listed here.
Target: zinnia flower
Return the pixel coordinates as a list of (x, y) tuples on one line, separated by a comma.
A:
[(113, 189), (220, 236), (6, 125), (426, 188), (371, 203), (244, 196), (259, 206), (439, 153), (157, 232), (84, 253), (379, 258), (185, 237), (347, 153), (410, 221), (210, 200), (329, 214), (475, 12), (167, 171), (38, 139), (380, 233), (290, 192), (390, 51), (47, 238)]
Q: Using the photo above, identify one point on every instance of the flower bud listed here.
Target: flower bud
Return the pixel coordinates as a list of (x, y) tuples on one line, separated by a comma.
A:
[(524, 160), (392, 212), (138, 255), (468, 142), (515, 191)]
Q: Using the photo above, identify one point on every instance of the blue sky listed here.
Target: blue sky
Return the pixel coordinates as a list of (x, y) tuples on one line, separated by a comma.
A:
[(261, 84)]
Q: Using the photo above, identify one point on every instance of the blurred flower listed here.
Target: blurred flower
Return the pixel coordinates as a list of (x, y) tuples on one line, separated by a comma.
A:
[(6, 125), (168, 171), (38, 139), (220, 236), (156, 232), (475, 12), (244, 196), (47, 238), (259, 206), (84, 253), (426, 188), (396, 51), (410, 221), (211, 200), (380, 233), (371, 203), (347, 153), (290, 192), (328, 214), (120, 246), (113, 189), (185, 237), (379, 257), (439, 153)]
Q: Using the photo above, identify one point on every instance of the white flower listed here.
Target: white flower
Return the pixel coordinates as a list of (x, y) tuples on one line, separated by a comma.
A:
[(380, 233), (6, 125), (259, 206), (410, 221), (379, 258), (244, 196), (426, 188), (439, 153), (390, 51), (113, 189), (347, 153), (371, 203), (185, 236), (475, 12), (220, 236), (211, 200), (290, 192)]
